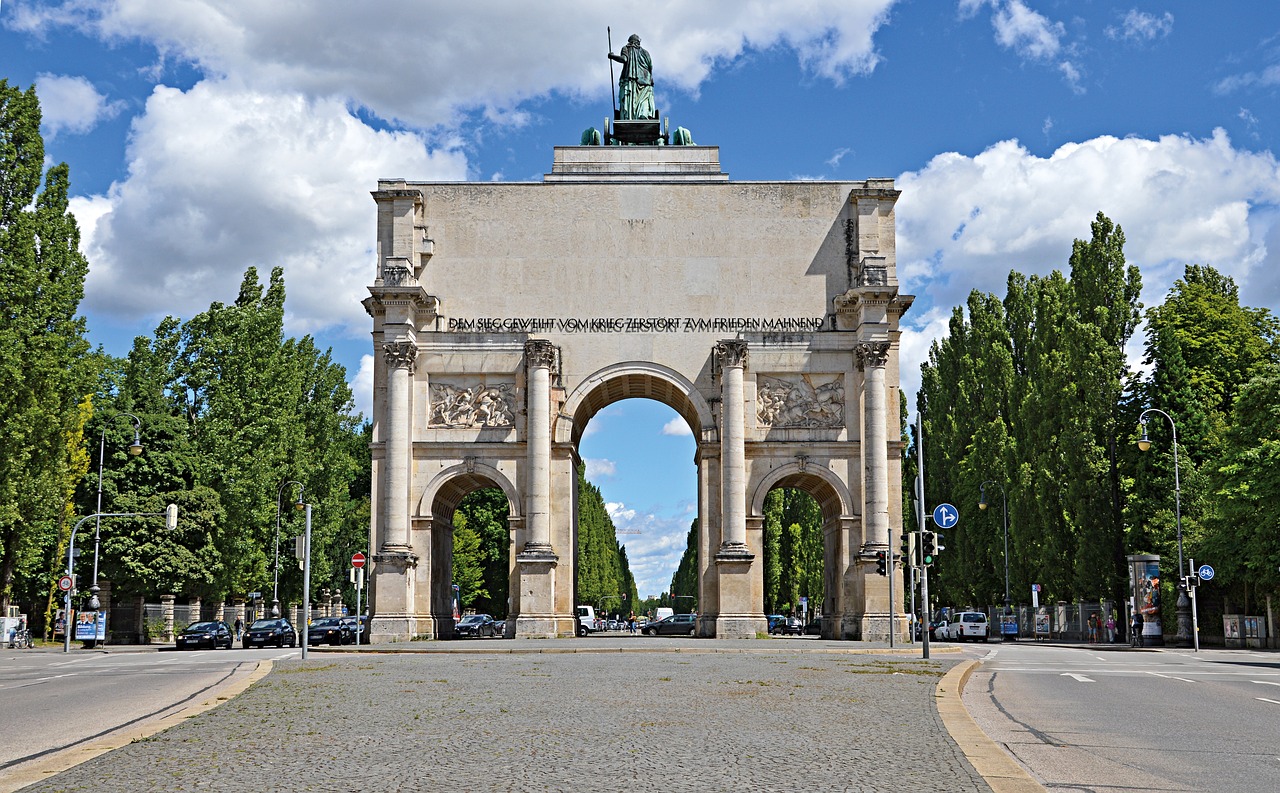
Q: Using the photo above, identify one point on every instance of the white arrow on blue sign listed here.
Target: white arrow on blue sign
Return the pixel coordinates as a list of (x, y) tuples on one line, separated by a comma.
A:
[(1206, 572), (945, 516)]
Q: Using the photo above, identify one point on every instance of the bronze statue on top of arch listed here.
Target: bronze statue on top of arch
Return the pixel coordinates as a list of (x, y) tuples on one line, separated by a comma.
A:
[(636, 120)]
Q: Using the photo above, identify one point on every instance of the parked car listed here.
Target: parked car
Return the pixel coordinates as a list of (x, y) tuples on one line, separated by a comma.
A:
[(330, 630), (201, 634), (814, 628), (276, 631), (360, 626), (789, 626), (476, 626), (964, 626), (774, 619), (675, 625)]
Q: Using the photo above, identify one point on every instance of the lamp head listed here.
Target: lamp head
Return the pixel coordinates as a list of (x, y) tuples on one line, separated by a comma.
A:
[(1144, 443), (982, 498)]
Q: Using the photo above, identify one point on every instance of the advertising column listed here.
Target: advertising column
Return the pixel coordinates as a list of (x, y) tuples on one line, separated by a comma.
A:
[(1144, 581)]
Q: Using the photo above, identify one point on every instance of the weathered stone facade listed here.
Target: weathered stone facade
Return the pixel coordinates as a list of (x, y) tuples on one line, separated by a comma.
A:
[(505, 315)]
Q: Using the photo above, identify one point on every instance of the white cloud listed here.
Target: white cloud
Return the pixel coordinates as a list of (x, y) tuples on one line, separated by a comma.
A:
[(1267, 78), (965, 222), (655, 552), (71, 104), (676, 426), (1027, 32), (221, 177), (1140, 26), (494, 54), (599, 468), (362, 387)]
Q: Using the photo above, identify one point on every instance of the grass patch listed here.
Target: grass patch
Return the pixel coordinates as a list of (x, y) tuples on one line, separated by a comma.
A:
[(297, 670)]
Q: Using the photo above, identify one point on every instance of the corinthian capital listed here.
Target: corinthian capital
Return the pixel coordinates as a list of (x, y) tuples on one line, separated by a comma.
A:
[(871, 353), (732, 352), (401, 355), (540, 353)]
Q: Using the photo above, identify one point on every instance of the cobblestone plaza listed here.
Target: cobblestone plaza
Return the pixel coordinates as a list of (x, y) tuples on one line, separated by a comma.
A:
[(658, 718)]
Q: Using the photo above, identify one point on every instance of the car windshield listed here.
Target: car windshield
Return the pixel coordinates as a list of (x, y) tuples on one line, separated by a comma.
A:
[(472, 619), (266, 625), (327, 622), (202, 627), (974, 618)]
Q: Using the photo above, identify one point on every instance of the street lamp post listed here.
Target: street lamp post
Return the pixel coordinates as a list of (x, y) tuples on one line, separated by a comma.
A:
[(1184, 602), (135, 449), (306, 576), (275, 574), (982, 504)]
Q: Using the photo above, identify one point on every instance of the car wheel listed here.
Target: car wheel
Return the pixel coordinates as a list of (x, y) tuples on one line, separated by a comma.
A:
[(582, 631)]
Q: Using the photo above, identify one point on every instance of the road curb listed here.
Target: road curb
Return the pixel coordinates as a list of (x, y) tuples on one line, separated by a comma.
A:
[(391, 649), (1000, 771), (41, 768)]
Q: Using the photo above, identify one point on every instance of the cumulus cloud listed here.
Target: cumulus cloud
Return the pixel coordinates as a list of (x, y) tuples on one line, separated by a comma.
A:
[(495, 55), (71, 104), (222, 177), (362, 387), (676, 426), (600, 468), (965, 222), (1139, 26)]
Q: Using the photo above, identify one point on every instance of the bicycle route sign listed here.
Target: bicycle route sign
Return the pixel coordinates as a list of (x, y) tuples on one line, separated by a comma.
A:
[(1206, 572)]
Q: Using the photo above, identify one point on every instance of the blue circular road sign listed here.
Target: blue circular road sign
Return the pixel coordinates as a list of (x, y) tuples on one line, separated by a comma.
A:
[(1206, 572), (945, 516)]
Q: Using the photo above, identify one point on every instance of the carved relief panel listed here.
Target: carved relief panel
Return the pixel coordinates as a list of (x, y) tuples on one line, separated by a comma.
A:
[(462, 402), (809, 400)]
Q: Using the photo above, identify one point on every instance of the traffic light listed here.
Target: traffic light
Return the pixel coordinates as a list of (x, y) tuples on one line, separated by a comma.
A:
[(938, 546), (882, 563), (928, 547), (907, 558)]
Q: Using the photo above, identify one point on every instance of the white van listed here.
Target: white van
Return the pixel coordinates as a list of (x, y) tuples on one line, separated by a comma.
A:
[(964, 626), (662, 614), (586, 620)]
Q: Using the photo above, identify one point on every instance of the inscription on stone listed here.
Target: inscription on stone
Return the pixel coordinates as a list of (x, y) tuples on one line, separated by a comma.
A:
[(459, 405), (635, 324), (800, 401)]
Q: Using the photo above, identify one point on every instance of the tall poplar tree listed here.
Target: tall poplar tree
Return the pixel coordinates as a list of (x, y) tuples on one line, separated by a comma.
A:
[(43, 353)]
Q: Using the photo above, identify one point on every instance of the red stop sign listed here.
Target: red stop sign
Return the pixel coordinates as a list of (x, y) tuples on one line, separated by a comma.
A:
[(357, 560)]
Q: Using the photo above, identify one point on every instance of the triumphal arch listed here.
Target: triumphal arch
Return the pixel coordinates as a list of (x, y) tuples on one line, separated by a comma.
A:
[(505, 315)]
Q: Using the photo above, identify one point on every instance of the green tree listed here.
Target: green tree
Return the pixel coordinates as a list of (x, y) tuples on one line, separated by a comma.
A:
[(43, 354)]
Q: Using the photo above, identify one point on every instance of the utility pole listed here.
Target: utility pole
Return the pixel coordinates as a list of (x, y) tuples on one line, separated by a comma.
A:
[(920, 513)]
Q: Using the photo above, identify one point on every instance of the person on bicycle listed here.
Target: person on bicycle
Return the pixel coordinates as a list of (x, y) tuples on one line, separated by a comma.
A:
[(1135, 634)]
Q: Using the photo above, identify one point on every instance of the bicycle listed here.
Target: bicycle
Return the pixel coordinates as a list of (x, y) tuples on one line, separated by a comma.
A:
[(21, 640)]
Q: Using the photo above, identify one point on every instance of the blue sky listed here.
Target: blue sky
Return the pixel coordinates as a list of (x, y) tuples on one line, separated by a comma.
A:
[(205, 136)]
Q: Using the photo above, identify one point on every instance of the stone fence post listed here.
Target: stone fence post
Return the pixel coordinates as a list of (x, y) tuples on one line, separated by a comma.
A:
[(166, 613)]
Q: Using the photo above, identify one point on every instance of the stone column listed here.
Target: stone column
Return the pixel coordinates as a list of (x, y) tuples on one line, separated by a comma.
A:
[(872, 357), (195, 605), (401, 358), (541, 356), (733, 361)]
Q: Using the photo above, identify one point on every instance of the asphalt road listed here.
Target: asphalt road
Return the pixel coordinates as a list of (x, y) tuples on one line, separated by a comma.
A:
[(1094, 719), (51, 700)]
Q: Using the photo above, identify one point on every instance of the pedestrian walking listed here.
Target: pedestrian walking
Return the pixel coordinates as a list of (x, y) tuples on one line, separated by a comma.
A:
[(1135, 630), (1111, 628), (1093, 628), (239, 628)]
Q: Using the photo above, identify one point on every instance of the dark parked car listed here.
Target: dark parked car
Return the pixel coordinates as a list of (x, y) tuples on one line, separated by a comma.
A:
[(675, 625), (774, 619), (790, 626), (330, 630), (476, 626), (361, 627), (814, 628), (205, 634), (264, 633)]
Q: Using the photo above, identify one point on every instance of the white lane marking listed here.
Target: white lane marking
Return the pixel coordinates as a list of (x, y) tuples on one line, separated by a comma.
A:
[(283, 657), (1265, 682), (77, 660), (1080, 678), (1100, 658), (1264, 699), (1169, 677)]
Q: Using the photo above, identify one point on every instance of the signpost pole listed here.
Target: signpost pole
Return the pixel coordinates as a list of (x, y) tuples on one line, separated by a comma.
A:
[(924, 568), (1195, 621), (357, 561)]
